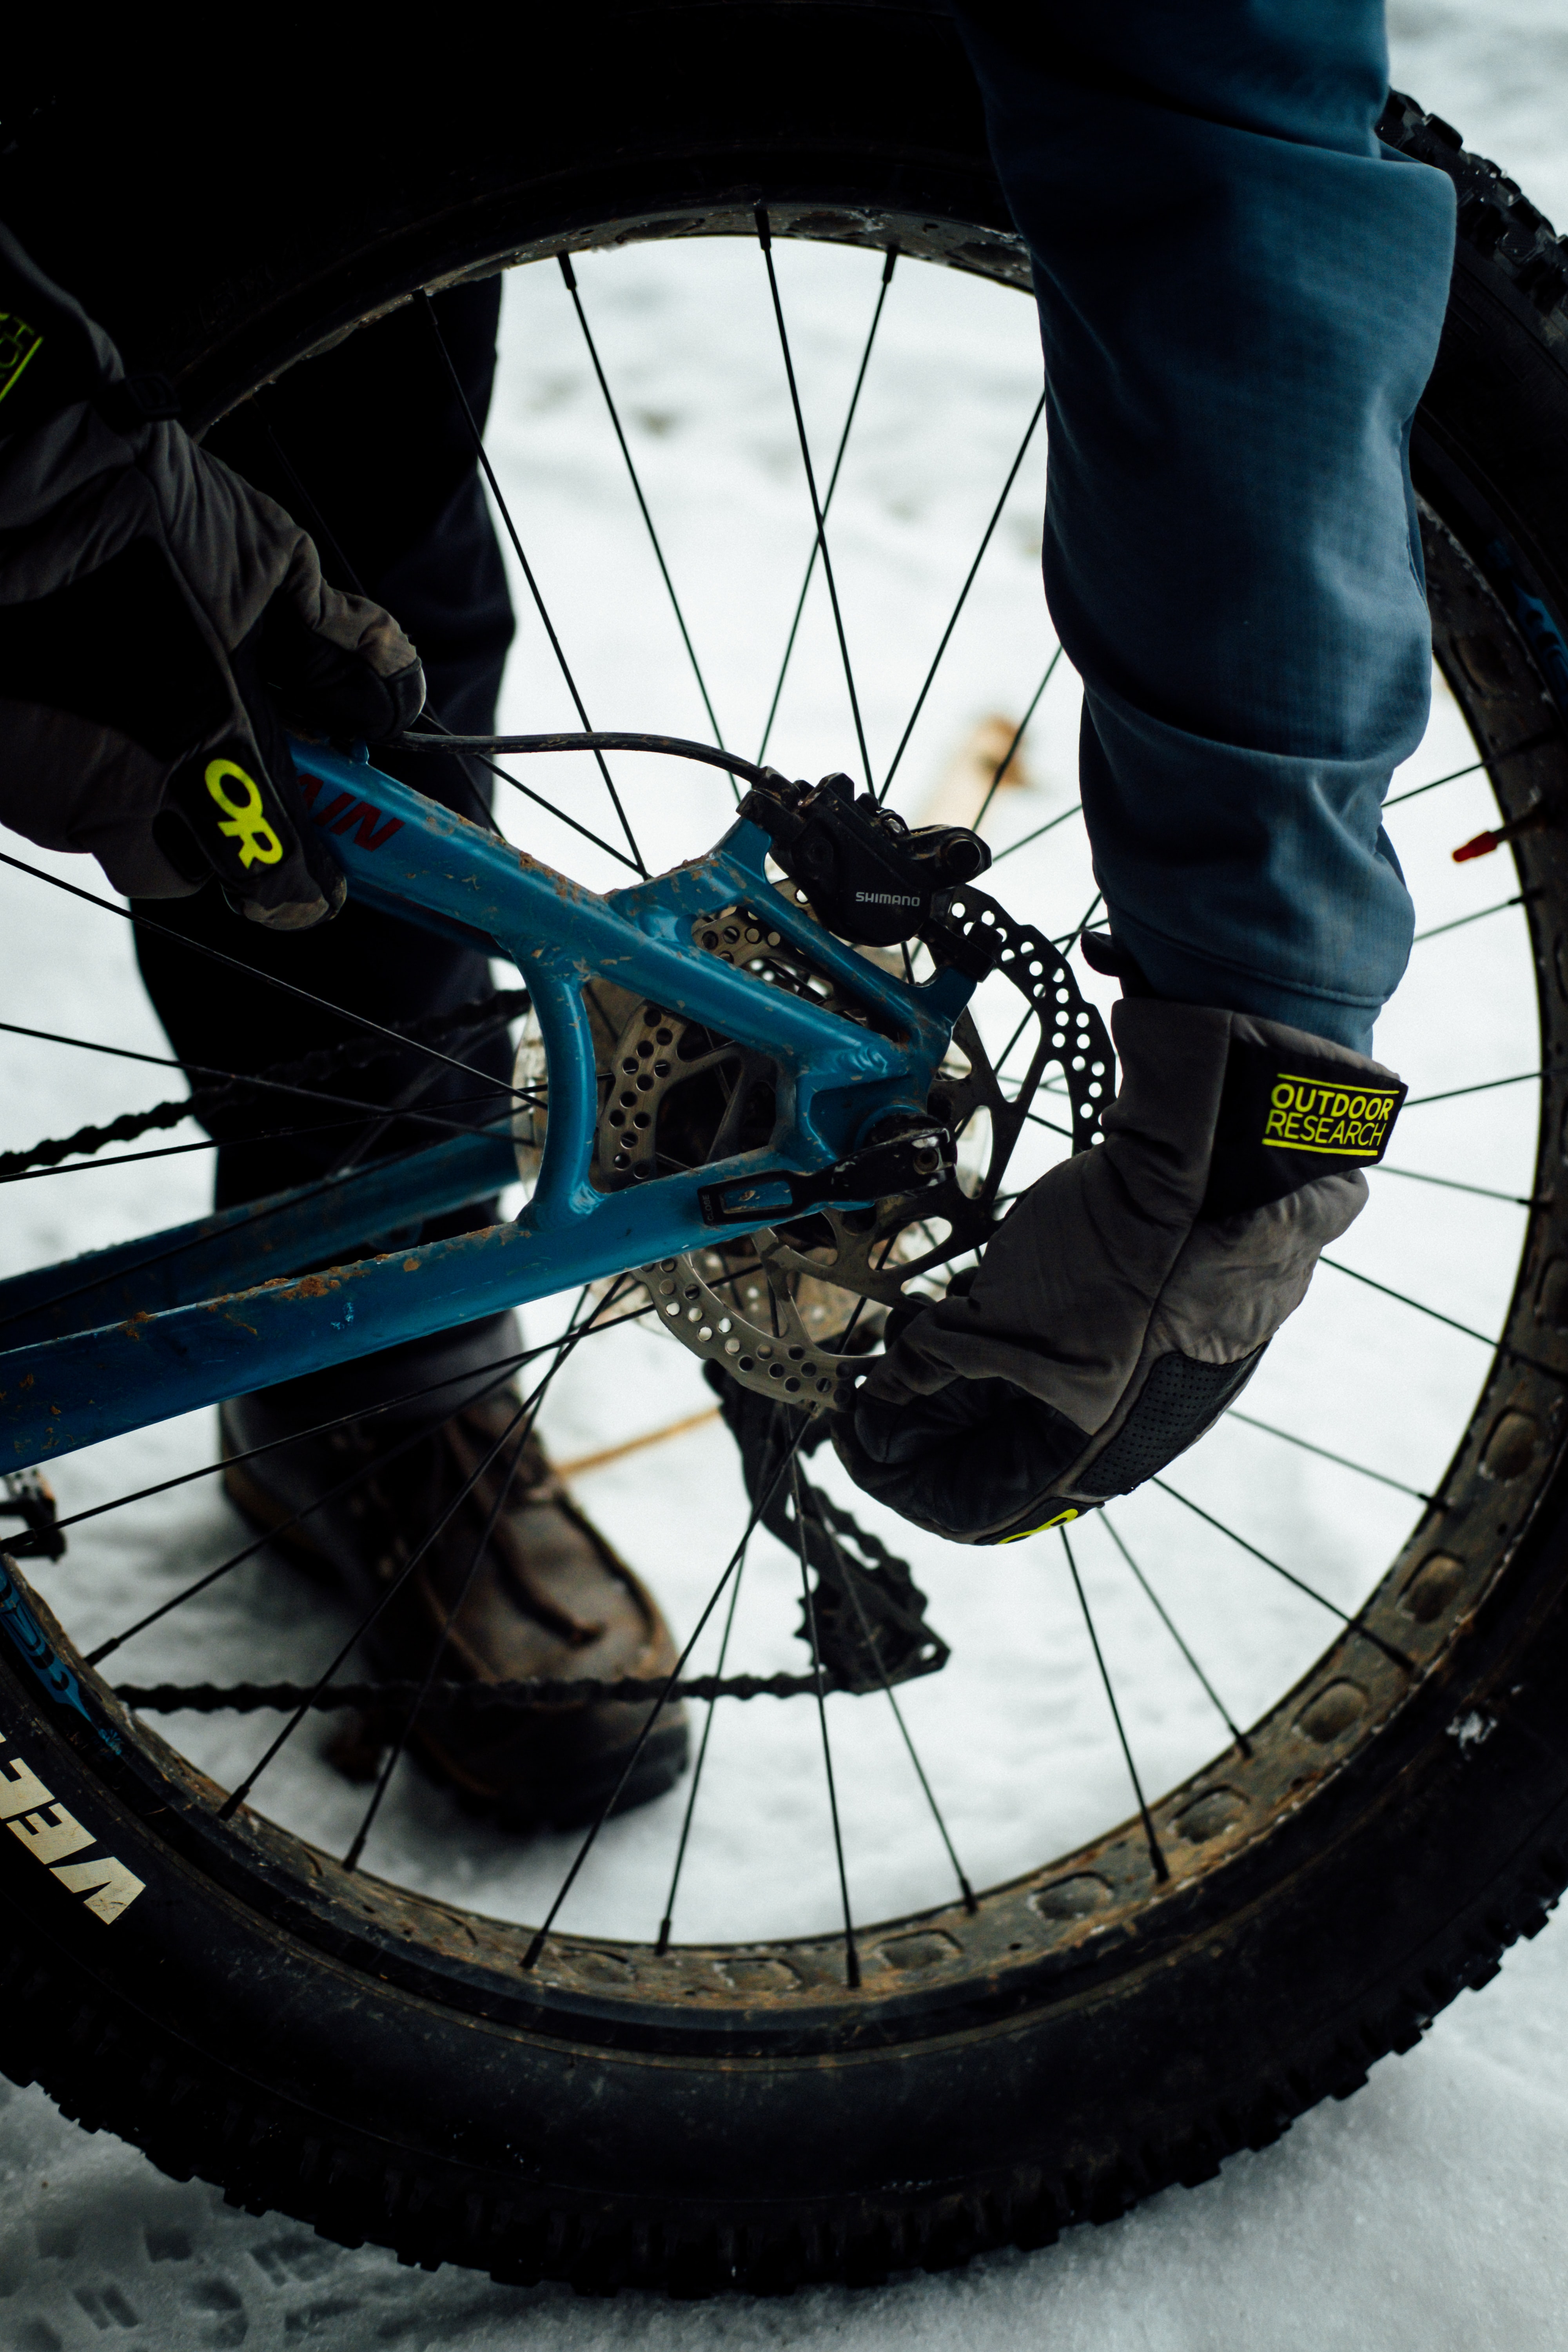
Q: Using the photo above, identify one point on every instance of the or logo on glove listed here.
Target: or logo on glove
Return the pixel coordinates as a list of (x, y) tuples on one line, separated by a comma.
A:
[(162, 624), (18, 344), (244, 822), (1056, 1519)]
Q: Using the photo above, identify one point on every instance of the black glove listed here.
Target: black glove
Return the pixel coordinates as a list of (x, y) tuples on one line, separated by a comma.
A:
[(1127, 1299), (161, 622)]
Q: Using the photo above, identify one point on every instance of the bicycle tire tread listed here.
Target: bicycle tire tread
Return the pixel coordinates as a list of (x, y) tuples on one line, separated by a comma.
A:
[(143, 2063)]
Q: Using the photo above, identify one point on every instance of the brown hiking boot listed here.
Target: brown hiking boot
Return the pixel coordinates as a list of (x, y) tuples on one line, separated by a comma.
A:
[(543, 1594)]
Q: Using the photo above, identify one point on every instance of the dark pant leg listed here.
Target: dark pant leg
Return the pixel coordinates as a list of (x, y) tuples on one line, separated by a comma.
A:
[(1240, 298), (368, 447)]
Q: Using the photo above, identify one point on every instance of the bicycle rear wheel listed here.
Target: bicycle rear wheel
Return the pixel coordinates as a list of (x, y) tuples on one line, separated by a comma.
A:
[(389, 2066)]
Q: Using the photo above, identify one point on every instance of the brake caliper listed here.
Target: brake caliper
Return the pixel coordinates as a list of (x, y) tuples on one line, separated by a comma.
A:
[(871, 879)]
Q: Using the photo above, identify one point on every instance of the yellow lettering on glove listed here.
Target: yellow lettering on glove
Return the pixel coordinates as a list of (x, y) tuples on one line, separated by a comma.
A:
[(245, 823), (1351, 1122), (18, 344), (1040, 1531)]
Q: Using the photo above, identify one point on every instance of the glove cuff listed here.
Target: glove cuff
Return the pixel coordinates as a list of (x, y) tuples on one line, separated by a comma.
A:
[(1221, 1112), (51, 353), (1293, 1110)]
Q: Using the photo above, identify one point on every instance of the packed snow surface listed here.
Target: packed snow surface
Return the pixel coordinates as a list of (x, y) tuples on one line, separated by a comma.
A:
[(1427, 2213)]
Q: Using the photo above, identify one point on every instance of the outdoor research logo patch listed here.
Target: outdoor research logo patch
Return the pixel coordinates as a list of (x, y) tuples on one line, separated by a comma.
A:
[(1308, 1115), (1283, 1124)]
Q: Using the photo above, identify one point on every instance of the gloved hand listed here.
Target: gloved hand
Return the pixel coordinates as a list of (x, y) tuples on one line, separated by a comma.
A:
[(1125, 1301), (160, 624)]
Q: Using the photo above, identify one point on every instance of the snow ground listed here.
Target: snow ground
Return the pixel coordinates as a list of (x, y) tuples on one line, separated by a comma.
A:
[(1428, 2209)]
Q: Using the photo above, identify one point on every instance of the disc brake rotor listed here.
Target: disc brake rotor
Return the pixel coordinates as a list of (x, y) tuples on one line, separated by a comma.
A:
[(772, 1307)]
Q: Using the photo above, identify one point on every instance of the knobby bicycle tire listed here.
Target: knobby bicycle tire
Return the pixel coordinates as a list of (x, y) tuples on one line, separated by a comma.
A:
[(384, 2067)]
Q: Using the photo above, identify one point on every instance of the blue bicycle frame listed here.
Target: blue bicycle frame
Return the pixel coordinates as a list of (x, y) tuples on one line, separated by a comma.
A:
[(128, 1336)]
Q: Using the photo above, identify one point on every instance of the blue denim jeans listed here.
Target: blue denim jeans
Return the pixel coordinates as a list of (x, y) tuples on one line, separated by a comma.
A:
[(1240, 295)]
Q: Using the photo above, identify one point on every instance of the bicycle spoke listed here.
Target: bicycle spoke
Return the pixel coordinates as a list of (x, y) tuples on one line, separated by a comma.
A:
[(236, 1797), (1070, 938), (470, 752), (1289, 1437), (764, 238), (429, 717), (498, 1364), (828, 500), (1452, 1184), (255, 972), (667, 1921), (363, 1143), (322, 531), (1531, 743), (970, 1900), (1482, 1087), (226, 1078), (1479, 915), (570, 275), (541, 1934), (1170, 1626), (1503, 1347), (1345, 1616), (237, 1560), (439, 1650), (1039, 834), (851, 1956), (212, 1469), (401, 1108), (1160, 1867), (533, 588), (264, 1135), (395, 1711), (293, 1200), (326, 537), (985, 539), (206, 1143), (1005, 761), (1000, 1063)]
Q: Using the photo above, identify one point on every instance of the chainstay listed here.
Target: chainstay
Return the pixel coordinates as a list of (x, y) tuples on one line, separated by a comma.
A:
[(202, 1103)]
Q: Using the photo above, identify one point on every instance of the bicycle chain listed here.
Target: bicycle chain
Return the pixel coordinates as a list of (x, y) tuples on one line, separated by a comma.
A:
[(868, 1614), (538, 1690), (206, 1103)]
